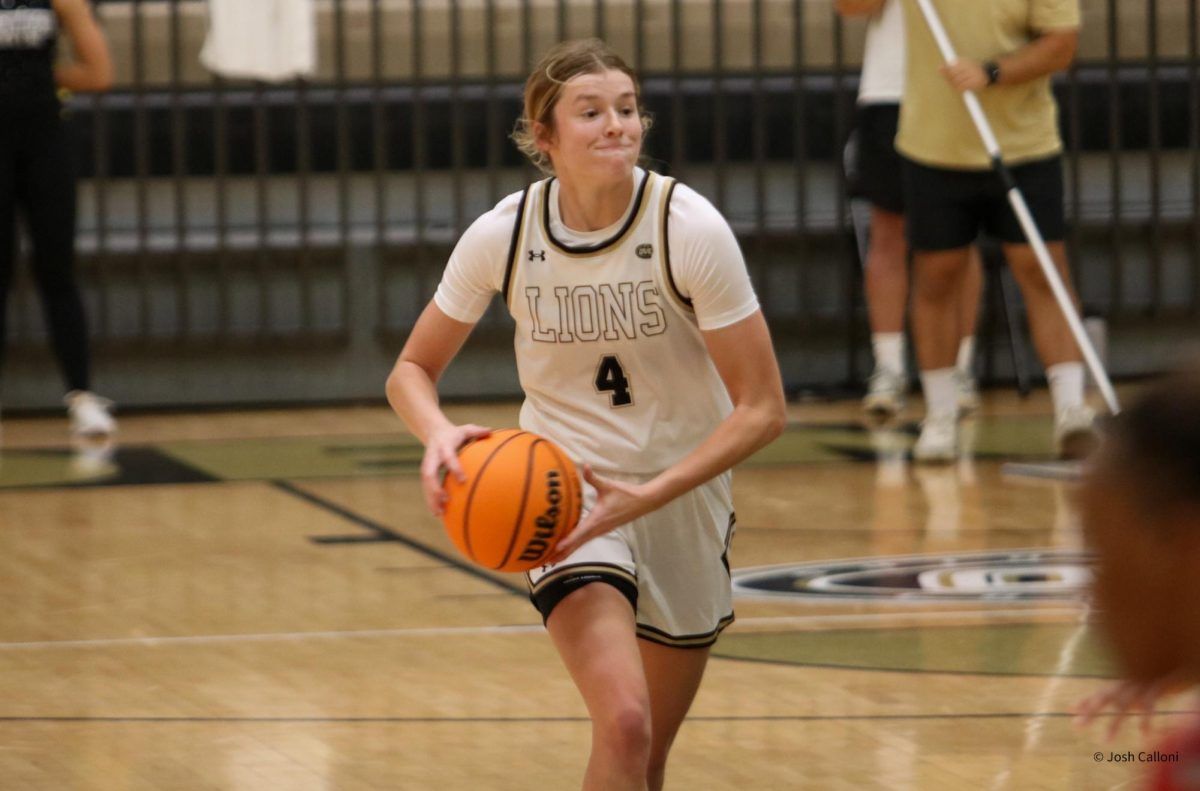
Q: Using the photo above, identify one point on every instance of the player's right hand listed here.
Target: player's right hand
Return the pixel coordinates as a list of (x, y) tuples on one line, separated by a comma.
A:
[(441, 455)]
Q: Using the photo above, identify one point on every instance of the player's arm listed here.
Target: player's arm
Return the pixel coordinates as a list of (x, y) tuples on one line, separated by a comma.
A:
[(1049, 53), (412, 392), (858, 7), (91, 67), (745, 359)]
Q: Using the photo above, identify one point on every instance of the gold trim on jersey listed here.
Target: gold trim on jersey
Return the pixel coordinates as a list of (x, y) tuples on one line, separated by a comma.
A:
[(515, 247), (631, 222), (703, 640), (668, 277)]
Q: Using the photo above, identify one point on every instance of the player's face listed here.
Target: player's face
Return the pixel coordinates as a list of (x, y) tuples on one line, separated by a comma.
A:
[(597, 131), (1143, 582)]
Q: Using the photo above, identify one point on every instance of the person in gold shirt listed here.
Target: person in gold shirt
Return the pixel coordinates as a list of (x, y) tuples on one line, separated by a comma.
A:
[(1008, 50)]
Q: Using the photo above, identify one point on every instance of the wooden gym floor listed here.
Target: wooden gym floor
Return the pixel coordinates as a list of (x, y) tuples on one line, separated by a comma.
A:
[(257, 600)]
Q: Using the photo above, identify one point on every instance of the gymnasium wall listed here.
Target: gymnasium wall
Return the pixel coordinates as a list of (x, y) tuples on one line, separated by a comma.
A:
[(244, 242)]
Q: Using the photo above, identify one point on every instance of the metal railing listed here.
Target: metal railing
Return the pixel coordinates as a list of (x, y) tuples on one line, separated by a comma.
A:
[(222, 213)]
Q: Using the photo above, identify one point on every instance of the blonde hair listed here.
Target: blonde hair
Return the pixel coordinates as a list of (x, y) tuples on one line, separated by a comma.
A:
[(545, 85)]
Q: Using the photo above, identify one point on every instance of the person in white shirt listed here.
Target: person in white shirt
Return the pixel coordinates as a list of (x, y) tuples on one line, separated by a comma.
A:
[(643, 352), (874, 172)]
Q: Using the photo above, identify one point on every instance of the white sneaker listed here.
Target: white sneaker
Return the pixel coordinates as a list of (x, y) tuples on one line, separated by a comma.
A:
[(885, 393), (91, 415), (1075, 434), (938, 442), (968, 393)]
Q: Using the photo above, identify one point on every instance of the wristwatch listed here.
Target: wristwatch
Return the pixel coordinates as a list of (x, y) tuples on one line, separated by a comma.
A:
[(992, 69)]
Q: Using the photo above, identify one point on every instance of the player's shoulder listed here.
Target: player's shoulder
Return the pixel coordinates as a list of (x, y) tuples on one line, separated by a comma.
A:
[(495, 226), (693, 214)]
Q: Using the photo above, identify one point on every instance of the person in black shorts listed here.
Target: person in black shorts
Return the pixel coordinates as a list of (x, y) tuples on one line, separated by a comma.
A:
[(37, 178), (873, 171), (1006, 58)]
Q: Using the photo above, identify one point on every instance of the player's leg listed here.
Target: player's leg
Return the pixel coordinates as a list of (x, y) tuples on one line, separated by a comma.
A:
[(1041, 187), (968, 319), (47, 189), (673, 676), (942, 224), (877, 181), (1074, 436), (594, 630), (887, 301)]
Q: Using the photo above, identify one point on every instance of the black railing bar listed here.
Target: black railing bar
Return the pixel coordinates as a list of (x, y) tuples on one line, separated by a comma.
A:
[(1114, 159), (1155, 149), (1194, 146), (262, 210), (492, 109), (141, 166), (799, 80), (457, 134), (674, 88), (418, 120), (758, 122), (379, 158), (697, 83), (344, 166), (183, 323), (719, 88), (304, 194), (220, 174)]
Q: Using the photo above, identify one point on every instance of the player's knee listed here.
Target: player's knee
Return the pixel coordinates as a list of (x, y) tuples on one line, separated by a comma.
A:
[(936, 282), (624, 727)]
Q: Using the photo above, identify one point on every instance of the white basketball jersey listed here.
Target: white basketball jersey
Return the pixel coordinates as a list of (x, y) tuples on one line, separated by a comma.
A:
[(609, 353), (883, 57)]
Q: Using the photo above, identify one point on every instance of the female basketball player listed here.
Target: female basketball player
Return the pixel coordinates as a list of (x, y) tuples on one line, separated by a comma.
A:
[(36, 176), (642, 351)]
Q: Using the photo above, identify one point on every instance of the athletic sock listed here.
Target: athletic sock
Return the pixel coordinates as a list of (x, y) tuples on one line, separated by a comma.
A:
[(1066, 385), (888, 348), (966, 355), (941, 392)]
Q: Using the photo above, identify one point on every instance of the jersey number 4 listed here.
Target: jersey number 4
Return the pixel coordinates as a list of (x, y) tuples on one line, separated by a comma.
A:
[(611, 379)]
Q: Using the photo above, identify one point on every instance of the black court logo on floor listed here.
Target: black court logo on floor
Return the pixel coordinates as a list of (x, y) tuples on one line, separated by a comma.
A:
[(1011, 575)]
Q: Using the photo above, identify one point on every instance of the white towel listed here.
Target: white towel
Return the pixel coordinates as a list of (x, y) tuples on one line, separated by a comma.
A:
[(269, 40)]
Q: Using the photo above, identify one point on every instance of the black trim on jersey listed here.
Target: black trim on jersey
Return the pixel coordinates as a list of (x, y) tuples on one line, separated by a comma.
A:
[(634, 215), (512, 245), (559, 586), (702, 640), (667, 246), (729, 531)]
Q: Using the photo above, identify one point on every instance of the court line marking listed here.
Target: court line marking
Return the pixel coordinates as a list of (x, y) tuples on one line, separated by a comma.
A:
[(508, 629), (391, 535), (519, 720)]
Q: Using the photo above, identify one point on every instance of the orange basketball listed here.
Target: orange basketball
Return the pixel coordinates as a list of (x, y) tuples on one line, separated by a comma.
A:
[(522, 494)]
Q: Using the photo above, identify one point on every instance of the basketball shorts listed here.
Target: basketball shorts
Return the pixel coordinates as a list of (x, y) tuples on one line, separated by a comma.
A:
[(672, 565), (873, 168), (947, 209)]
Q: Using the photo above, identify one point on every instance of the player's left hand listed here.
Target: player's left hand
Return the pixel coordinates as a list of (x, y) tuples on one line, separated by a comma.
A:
[(1123, 699), (964, 75), (617, 503)]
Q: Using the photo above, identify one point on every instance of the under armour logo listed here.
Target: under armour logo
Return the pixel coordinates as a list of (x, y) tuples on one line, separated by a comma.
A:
[(540, 255), (645, 250)]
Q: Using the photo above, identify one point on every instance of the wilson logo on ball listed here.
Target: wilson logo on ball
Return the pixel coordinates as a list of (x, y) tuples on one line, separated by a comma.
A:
[(522, 495), (547, 523)]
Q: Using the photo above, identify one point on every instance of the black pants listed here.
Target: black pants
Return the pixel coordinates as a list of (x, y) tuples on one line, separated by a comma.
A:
[(37, 183)]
